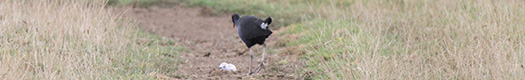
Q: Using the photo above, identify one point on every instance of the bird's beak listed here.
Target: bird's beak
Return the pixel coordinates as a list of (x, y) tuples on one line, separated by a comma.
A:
[(233, 25)]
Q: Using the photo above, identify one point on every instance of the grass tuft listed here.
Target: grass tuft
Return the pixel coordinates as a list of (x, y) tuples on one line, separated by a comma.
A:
[(71, 39), (140, 3)]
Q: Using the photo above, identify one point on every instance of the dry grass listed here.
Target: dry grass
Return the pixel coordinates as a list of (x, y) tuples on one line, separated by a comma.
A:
[(413, 39), (400, 39), (76, 39)]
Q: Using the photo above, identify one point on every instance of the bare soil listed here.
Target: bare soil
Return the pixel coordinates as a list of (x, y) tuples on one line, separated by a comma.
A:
[(211, 39)]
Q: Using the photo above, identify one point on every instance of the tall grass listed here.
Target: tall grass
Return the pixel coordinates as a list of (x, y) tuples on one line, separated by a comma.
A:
[(140, 3), (412, 39), (401, 39), (76, 39)]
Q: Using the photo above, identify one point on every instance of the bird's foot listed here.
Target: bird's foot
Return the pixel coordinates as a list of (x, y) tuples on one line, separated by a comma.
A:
[(260, 67), (250, 73)]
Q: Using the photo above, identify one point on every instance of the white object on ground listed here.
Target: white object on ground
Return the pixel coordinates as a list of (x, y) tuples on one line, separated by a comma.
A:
[(227, 67)]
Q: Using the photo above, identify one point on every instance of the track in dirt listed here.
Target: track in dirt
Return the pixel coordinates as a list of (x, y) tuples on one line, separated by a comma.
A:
[(211, 40)]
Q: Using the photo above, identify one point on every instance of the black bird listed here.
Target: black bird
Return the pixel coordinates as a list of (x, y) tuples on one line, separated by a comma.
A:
[(253, 30)]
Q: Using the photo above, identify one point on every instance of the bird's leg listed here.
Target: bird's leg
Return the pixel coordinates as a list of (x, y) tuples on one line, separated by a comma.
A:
[(262, 59), (251, 60)]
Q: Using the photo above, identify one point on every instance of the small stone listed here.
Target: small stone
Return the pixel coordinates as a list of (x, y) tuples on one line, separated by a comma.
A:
[(207, 54)]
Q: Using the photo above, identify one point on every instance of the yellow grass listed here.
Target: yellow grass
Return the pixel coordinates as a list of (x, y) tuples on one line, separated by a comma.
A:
[(417, 39), (75, 39)]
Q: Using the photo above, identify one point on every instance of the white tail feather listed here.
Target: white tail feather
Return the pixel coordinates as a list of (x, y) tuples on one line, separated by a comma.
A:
[(264, 26)]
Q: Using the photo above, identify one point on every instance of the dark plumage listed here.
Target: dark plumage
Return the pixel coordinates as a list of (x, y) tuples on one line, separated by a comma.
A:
[(252, 30)]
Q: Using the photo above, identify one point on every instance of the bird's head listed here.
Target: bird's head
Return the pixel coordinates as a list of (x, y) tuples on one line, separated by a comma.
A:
[(265, 23), (268, 20), (235, 18)]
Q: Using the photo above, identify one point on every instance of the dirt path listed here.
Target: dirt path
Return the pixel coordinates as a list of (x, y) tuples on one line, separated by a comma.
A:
[(211, 40)]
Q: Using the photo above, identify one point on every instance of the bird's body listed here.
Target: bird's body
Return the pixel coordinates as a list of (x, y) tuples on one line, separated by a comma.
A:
[(252, 31)]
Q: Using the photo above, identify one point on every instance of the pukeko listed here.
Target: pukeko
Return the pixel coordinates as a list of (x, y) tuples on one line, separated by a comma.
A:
[(253, 30)]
